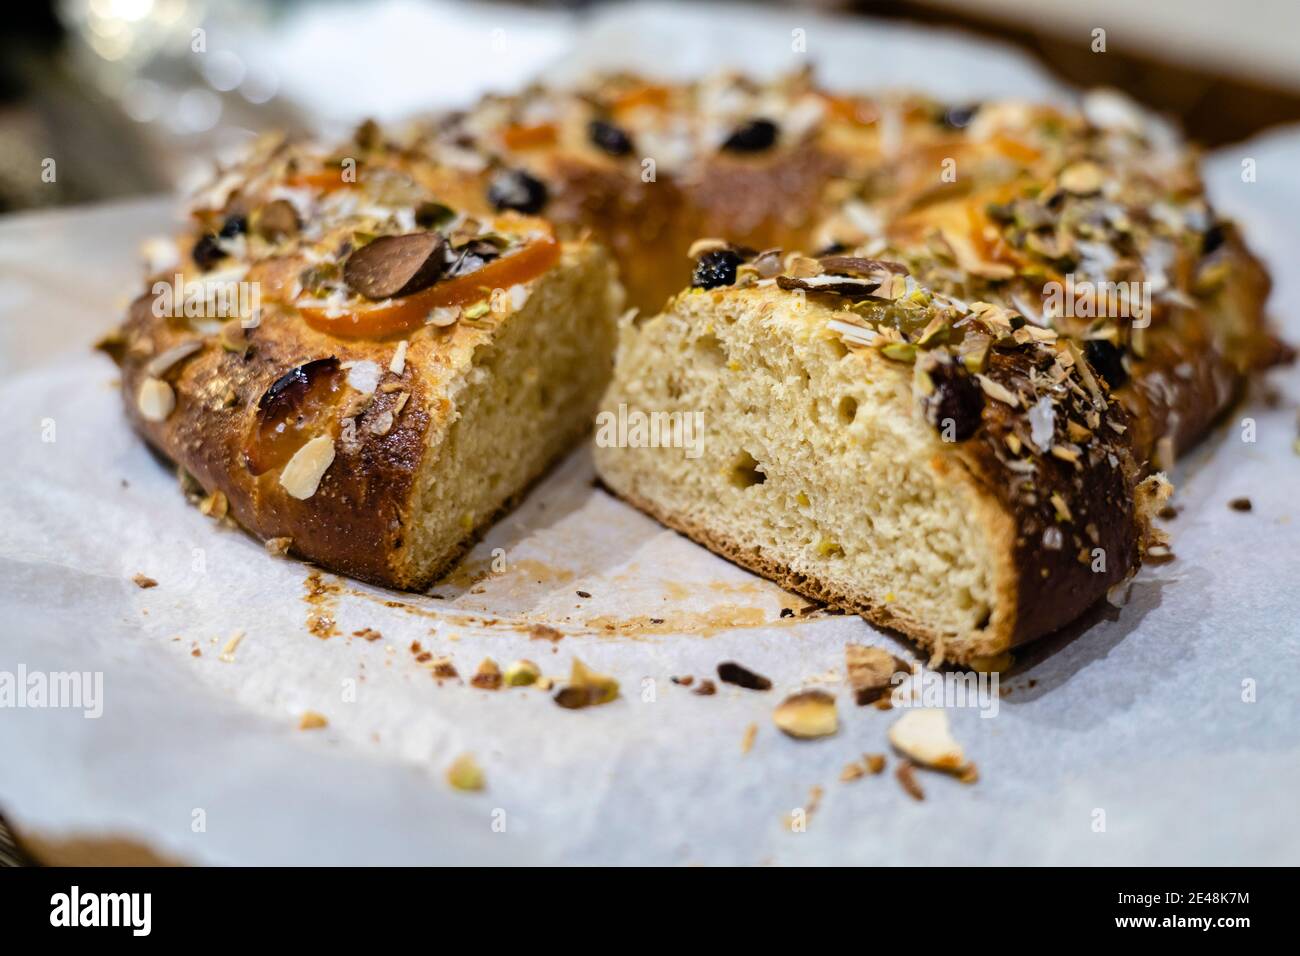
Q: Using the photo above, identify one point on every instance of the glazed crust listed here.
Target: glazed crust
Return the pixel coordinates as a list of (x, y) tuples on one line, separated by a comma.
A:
[(354, 523)]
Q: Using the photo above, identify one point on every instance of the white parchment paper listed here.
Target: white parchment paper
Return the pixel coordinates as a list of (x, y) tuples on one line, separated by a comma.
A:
[(1137, 713)]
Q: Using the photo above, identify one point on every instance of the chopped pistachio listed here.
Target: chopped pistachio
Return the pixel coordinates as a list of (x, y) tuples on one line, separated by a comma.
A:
[(465, 774), (522, 673)]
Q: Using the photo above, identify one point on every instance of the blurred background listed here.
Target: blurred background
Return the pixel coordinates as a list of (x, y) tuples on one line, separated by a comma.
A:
[(138, 96)]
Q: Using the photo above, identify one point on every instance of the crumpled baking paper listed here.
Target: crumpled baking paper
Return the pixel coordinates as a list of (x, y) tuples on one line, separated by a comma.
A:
[(1167, 732)]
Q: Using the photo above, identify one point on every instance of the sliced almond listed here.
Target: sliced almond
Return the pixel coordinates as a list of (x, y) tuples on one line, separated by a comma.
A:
[(398, 364), (922, 735), (807, 714), (302, 475), (156, 400), (444, 315), (997, 391), (165, 360)]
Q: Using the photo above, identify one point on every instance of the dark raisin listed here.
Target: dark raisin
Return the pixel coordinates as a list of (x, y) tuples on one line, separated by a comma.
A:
[(729, 672), (233, 226), (959, 117), (207, 253), (515, 189), (715, 269), (752, 137), (955, 405), (1108, 360), (608, 137), (1213, 238)]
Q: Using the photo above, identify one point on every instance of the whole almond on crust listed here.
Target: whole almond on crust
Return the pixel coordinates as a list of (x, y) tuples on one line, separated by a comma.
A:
[(922, 735), (807, 715), (392, 266), (302, 475)]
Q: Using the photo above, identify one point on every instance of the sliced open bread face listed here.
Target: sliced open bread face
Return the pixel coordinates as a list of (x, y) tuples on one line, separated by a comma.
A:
[(968, 496)]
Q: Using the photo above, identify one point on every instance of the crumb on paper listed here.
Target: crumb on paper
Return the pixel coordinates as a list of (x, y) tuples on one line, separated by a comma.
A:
[(488, 675), (586, 688), (871, 672), (544, 632), (278, 547), (906, 775), (143, 582), (747, 741), (311, 720), (367, 634)]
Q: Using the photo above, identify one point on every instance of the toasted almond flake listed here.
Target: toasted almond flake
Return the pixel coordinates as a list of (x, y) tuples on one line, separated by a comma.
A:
[(465, 774), (444, 316), (997, 391), (161, 363), (398, 364), (807, 715), (302, 475), (156, 400), (364, 376), (311, 720), (922, 736), (747, 741), (228, 650)]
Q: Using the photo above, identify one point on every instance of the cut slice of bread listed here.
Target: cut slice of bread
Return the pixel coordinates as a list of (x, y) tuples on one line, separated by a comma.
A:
[(824, 466), (397, 385)]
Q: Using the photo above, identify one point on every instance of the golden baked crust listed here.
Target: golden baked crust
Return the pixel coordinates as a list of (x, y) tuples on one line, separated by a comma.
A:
[(991, 212)]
